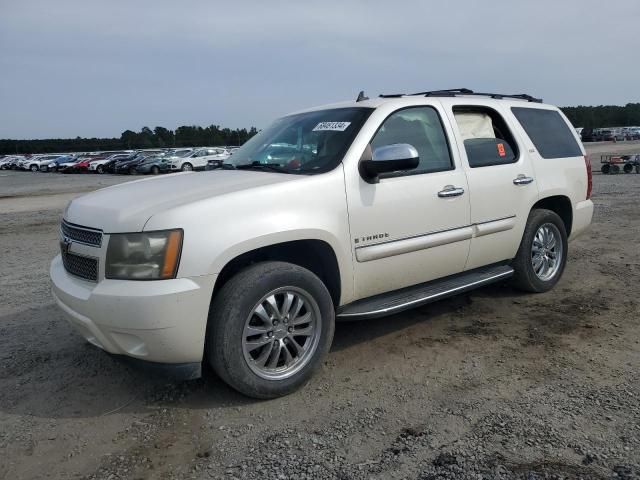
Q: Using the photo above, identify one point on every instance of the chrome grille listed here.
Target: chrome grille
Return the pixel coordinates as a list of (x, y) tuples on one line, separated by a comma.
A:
[(80, 266), (79, 234)]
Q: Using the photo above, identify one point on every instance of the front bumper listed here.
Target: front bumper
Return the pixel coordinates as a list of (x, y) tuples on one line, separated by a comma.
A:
[(160, 321)]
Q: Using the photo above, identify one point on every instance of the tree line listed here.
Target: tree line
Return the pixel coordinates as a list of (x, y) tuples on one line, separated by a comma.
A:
[(159, 137), (604, 115), (214, 135)]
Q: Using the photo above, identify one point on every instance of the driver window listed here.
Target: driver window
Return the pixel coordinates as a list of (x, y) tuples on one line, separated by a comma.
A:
[(420, 127)]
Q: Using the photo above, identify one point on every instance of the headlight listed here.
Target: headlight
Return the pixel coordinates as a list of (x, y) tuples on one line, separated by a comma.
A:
[(143, 256)]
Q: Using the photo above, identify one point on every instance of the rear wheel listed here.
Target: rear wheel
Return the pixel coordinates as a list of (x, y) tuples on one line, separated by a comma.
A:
[(606, 169), (187, 167), (615, 169), (270, 327), (637, 168), (34, 168), (155, 170), (628, 168), (132, 171), (100, 169), (542, 254)]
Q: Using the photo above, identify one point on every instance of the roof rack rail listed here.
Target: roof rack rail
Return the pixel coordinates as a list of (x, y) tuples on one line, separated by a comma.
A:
[(453, 92)]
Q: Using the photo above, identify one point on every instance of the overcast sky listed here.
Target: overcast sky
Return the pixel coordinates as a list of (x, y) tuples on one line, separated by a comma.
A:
[(96, 68)]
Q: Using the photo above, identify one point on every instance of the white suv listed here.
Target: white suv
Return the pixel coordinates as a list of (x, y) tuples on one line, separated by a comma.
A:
[(348, 211), (197, 160)]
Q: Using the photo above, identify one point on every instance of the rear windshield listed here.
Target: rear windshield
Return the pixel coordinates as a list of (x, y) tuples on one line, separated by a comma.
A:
[(548, 131)]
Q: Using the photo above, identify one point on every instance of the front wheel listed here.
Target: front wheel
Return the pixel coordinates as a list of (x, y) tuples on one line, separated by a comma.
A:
[(155, 170), (100, 169), (270, 327), (542, 254), (34, 168)]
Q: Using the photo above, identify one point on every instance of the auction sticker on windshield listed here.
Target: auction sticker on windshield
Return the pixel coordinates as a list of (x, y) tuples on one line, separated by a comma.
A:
[(331, 126)]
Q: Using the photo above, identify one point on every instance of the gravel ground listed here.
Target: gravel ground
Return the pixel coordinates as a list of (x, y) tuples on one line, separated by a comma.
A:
[(493, 384)]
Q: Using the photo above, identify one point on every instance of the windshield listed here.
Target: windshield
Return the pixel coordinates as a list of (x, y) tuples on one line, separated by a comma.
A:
[(306, 143)]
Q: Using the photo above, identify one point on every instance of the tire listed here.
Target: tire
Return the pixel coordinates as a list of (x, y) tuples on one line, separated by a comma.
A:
[(615, 169), (186, 167), (132, 171), (637, 168), (233, 311), (606, 169), (34, 168), (100, 169), (155, 170), (525, 276), (628, 168)]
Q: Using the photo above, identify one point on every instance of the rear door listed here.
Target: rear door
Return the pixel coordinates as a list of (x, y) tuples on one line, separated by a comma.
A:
[(502, 184)]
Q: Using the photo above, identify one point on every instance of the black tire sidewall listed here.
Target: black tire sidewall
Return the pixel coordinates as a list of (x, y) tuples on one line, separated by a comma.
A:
[(230, 309), (525, 277)]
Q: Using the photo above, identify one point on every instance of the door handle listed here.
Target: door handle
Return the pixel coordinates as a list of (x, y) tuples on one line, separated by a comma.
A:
[(450, 191), (522, 180)]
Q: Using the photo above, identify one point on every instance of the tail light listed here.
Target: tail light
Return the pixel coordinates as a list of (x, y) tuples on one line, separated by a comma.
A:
[(587, 162)]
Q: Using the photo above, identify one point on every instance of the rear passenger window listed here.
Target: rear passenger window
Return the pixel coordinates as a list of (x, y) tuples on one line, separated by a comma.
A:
[(487, 139), (420, 127), (548, 131)]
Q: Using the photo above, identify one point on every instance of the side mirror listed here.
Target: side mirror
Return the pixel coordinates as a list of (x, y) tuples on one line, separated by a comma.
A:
[(389, 158)]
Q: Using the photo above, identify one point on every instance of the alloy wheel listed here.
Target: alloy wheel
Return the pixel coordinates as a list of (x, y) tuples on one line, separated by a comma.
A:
[(546, 251), (282, 333)]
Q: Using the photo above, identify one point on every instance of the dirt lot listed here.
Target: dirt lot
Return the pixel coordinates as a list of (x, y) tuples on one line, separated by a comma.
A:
[(494, 384)]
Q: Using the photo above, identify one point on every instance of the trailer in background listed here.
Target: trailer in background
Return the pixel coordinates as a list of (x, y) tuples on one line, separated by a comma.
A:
[(614, 163)]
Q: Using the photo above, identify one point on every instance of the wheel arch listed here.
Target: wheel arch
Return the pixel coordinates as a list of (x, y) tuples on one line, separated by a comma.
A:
[(317, 256), (559, 204)]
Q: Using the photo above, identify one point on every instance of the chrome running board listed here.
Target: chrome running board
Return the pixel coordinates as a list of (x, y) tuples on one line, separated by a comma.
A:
[(417, 295)]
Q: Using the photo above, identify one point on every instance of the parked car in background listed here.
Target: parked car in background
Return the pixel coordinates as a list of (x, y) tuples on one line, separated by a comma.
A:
[(588, 135), (128, 165), (197, 160), (618, 134), (161, 163), (98, 166), (34, 162), (10, 162), (77, 165), (52, 165)]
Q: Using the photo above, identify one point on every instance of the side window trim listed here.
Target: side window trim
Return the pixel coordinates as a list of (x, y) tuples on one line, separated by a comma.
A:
[(409, 173), (510, 131)]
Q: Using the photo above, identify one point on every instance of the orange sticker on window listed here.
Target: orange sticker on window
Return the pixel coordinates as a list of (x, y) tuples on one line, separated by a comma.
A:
[(501, 150)]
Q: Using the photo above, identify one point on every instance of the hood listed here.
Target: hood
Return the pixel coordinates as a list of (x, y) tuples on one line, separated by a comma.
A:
[(128, 206)]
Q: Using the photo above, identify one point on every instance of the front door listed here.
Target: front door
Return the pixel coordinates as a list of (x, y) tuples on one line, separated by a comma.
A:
[(412, 226)]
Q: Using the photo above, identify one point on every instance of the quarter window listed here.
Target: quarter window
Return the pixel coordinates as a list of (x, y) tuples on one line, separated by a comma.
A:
[(421, 128), (548, 131), (486, 137)]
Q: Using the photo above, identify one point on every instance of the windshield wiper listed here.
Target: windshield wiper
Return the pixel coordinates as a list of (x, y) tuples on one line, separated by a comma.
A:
[(274, 167)]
